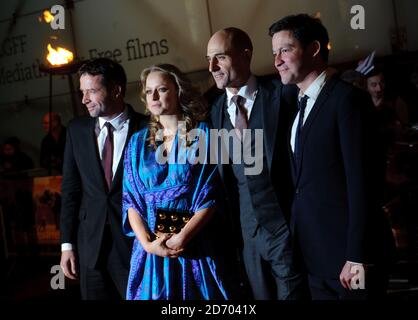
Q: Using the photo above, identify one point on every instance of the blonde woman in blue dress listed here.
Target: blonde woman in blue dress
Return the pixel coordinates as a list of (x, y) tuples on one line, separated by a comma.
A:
[(184, 265)]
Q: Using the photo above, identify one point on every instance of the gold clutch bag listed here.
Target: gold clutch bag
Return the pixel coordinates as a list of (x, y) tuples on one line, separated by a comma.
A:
[(171, 221)]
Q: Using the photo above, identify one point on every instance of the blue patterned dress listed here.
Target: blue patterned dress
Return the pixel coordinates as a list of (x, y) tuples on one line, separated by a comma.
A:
[(148, 185)]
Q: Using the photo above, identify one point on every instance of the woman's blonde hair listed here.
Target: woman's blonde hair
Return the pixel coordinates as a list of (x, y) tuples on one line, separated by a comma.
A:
[(192, 105)]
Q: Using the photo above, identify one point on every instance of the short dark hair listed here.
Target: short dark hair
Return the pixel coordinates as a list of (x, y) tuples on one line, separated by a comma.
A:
[(112, 72), (305, 29), (240, 40)]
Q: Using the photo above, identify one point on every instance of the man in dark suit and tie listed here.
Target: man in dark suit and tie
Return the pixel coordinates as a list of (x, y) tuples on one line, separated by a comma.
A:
[(336, 214), (93, 245), (247, 104)]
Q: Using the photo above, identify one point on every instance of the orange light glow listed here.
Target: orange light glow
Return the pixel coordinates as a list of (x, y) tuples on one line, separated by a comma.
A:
[(329, 46), (48, 17), (59, 56)]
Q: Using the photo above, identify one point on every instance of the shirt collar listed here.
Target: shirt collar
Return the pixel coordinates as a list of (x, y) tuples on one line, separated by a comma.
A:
[(315, 87), (248, 91), (117, 122)]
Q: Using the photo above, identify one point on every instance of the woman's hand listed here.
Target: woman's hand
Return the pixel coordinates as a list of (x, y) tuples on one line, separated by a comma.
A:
[(176, 242), (179, 240), (159, 247)]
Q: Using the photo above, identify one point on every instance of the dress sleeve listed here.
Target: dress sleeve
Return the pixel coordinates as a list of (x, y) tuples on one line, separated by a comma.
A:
[(131, 190), (205, 175)]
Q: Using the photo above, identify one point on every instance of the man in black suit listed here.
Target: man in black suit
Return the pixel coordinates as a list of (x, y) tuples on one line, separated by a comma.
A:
[(336, 217), (91, 228), (248, 102)]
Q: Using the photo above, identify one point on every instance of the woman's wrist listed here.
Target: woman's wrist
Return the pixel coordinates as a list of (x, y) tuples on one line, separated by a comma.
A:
[(183, 239), (146, 243)]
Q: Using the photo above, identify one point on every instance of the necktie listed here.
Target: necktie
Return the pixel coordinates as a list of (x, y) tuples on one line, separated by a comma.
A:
[(298, 138), (241, 121), (107, 155)]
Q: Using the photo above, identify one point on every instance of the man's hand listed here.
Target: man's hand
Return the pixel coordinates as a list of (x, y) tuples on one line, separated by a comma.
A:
[(348, 273), (68, 264)]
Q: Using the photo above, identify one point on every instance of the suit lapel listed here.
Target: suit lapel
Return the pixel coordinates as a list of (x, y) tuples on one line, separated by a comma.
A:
[(322, 98), (133, 127), (219, 111), (270, 105), (218, 119), (94, 154)]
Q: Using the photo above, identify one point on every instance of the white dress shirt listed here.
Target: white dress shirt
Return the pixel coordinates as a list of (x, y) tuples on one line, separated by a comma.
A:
[(120, 132), (312, 92), (248, 92)]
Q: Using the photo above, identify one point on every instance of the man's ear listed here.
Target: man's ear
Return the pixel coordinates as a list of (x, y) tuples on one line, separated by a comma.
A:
[(117, 91), (315, 48), (248, 54)]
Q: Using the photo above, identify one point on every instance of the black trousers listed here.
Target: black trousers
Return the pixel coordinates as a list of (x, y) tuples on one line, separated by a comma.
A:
[(108, 280), (270, 266)]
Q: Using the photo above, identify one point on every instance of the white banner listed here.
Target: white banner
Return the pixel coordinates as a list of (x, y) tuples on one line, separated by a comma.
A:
[(138, 33)]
